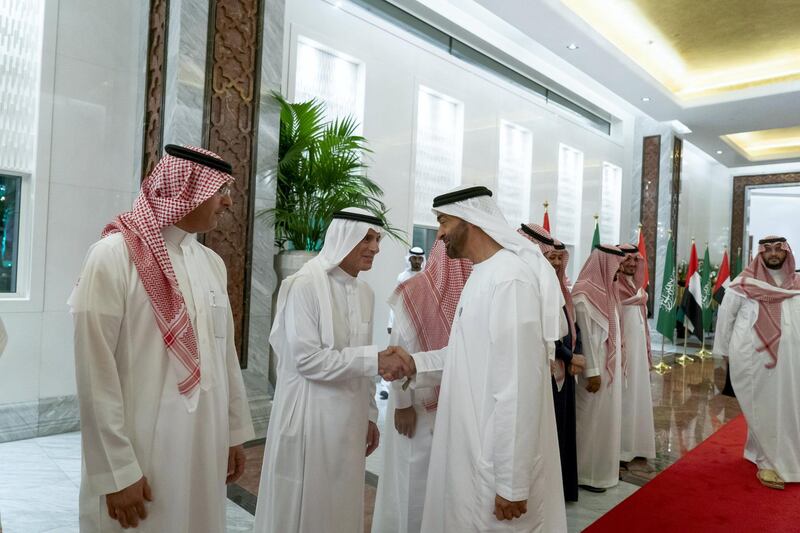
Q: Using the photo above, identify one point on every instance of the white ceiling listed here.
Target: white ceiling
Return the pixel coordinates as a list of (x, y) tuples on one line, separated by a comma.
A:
[(554, 26)]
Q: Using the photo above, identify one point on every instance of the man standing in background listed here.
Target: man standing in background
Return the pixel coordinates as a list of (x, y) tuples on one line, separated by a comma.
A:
[(638, 437), (599, 392)]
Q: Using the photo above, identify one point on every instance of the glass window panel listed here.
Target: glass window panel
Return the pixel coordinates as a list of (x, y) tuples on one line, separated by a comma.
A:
[(20, 48), (424, 237), (569, 194), (611, 203), (439, 144), (514, 172), (331, 77), (10, 193)]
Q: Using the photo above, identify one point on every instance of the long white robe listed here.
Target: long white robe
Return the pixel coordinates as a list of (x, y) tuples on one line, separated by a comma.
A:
[(598, 415), (638, 437), (312, 480), (401, 487), (495, 426), (769, 397), (401, 277), (133, 420)]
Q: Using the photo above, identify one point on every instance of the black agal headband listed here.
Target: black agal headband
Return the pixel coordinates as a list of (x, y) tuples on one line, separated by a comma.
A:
[(772, 240), (198, 157), (358, 217), (609, 250), (460, 196), (538, 236)]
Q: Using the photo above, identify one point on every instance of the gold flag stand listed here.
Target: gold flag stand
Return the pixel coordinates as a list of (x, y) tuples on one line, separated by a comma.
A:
[(662, 367), (703, 353), (682, 360)]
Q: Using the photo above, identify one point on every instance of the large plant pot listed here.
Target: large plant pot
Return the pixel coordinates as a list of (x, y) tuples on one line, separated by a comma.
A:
[(286, 264)]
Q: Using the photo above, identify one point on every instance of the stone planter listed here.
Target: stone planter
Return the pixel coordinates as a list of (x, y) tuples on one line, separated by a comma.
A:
[(286, 264)]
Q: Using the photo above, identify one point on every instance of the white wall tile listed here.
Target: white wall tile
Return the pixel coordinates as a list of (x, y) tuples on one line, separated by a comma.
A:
[(57, 360), (19, 364), (77, 217), (93, 31), (96, 125)]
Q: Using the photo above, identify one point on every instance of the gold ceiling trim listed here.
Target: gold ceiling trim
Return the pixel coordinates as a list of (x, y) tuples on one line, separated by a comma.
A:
[(698, 50), (763, 145)]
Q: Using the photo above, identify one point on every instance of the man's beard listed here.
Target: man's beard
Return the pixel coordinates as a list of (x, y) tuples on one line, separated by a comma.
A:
[(777, 266), (455, 243)]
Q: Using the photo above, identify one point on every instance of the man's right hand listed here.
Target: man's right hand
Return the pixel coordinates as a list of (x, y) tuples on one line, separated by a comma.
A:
[(395, 363), (127, 506), (405, 421), (593, 384)]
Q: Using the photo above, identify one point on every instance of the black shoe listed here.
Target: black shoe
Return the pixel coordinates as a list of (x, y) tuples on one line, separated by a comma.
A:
[(384, 395), (592, 489)]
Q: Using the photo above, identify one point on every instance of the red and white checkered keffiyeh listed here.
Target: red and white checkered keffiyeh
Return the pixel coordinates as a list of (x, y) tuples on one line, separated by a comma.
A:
[(546, 248), (174, 189), (768, 323), (632, 293), (431, 297), (596, 284)]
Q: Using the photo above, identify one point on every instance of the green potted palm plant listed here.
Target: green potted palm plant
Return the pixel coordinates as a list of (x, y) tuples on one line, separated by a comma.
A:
[(321, 170)]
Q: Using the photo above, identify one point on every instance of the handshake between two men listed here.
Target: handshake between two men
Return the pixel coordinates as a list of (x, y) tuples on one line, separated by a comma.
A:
[(395, 363)]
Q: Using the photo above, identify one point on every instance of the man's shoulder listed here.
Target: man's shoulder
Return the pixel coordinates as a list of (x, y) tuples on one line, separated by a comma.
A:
[(213, 257), (110, 248), (509, 267)]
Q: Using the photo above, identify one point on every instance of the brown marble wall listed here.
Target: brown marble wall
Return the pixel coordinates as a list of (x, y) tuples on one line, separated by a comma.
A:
[(233, 75), (651, 160), (740, 185), (675, 191), (155, 85)]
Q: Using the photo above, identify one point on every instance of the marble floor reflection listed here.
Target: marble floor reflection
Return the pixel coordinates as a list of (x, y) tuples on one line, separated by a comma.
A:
[(39, 478)]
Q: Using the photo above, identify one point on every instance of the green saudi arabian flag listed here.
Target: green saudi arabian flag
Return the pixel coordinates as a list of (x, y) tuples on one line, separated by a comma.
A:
[(596, 236), (705, 284), (669, 305)]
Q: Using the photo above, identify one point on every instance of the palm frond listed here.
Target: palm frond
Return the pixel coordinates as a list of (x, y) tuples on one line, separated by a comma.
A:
[(321, 170)]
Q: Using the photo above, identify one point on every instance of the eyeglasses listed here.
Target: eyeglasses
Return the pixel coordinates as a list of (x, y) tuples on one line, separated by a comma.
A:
[(225, 190)]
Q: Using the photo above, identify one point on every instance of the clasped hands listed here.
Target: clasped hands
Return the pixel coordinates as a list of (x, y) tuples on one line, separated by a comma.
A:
[(395, 363)]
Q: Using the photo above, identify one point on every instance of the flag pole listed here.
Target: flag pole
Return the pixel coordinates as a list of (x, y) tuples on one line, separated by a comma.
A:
[(661, 367), (703, 353), (682, 360)]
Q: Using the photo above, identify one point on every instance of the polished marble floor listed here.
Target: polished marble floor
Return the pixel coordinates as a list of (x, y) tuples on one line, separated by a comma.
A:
[(39, 477)]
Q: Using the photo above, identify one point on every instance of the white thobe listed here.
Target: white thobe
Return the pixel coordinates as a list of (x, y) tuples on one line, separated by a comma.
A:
[(769, 397), (134, 422), (312, 480), (638, 438), (401, 277), (401, 488), (495, 426), (598, 415)]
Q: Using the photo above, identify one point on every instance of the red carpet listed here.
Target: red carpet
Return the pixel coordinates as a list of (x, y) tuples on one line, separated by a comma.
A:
[(712, 488)]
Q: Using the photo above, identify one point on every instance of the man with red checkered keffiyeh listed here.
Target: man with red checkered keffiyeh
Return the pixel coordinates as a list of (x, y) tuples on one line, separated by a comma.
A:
[(424, 307), (598, 396), (757, 329), (163, 407)]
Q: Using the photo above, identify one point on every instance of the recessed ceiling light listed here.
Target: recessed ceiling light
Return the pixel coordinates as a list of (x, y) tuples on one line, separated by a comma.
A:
[(719, 152), (645, 98), (572, 46)]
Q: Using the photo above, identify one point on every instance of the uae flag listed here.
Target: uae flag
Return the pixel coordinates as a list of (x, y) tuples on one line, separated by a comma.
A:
[(692, 303), (723, 278)]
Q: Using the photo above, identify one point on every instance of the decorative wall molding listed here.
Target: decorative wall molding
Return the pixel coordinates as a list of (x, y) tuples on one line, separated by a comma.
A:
[(740, 185), (675, 190), (651, 161), (155, 84), (233, 73)]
